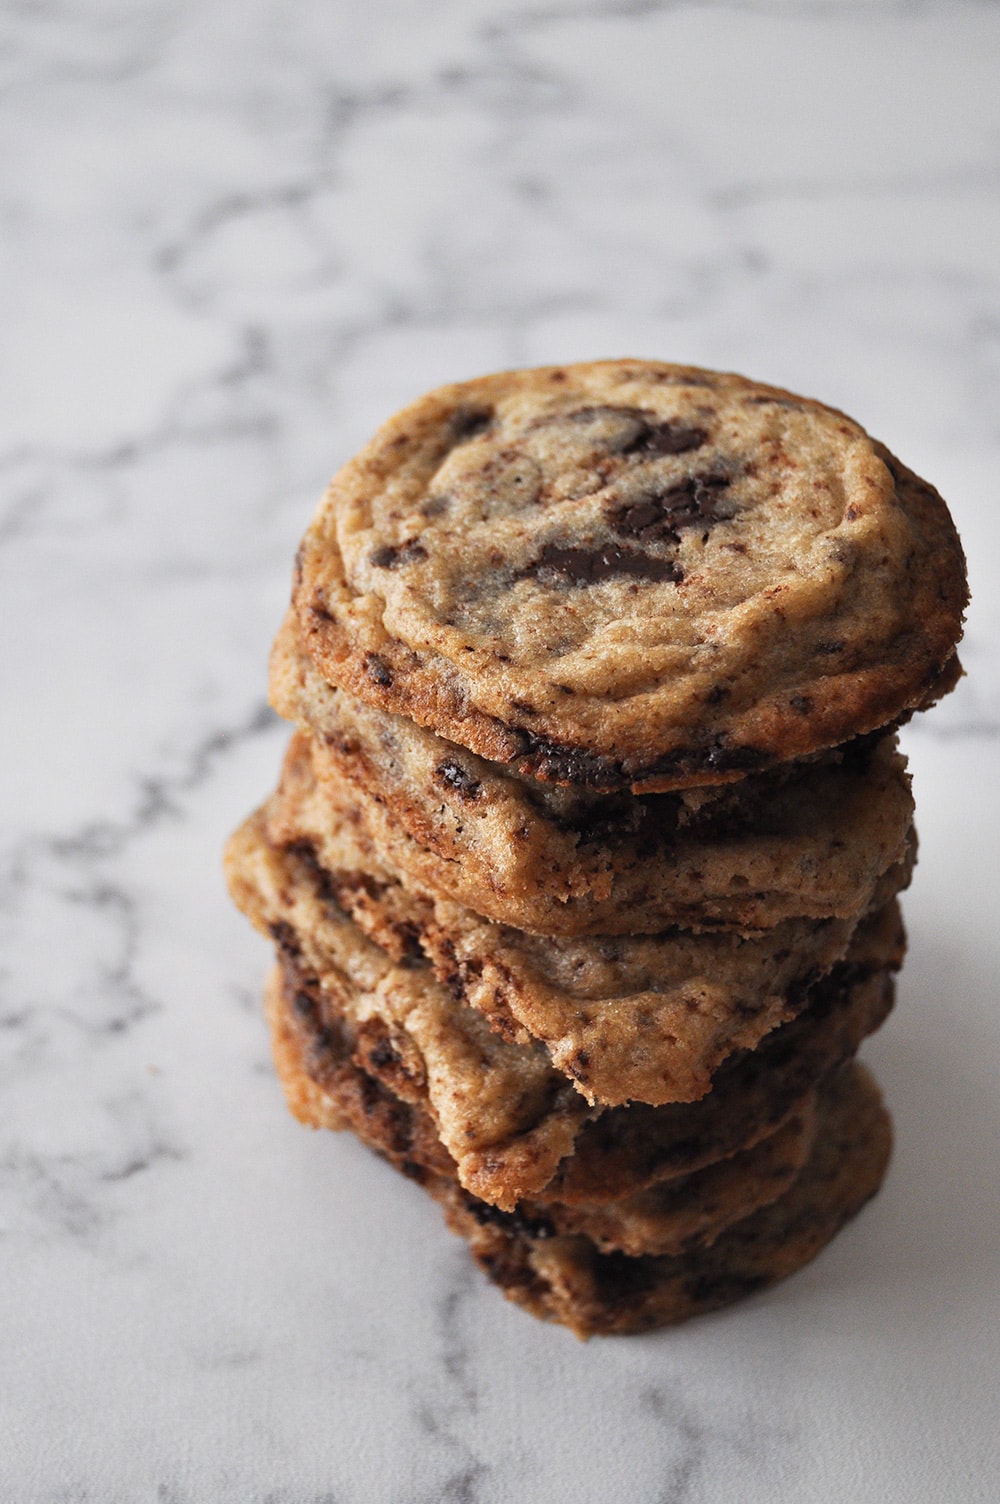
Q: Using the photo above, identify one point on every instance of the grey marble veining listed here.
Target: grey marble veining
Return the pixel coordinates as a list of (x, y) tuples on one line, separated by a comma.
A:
[(232, 240)]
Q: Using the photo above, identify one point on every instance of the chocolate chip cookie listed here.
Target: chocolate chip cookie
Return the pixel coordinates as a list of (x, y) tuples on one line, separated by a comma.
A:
[(632, 575), (806, 839)]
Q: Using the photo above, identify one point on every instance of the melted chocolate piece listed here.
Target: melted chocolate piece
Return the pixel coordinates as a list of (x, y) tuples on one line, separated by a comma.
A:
[(284, 938), (458, 778), (561, 565), (303, 1004), (468, 422), (435, 506), (378, 670), (667, 438), (392, 555), (556, 762), (659, 515), (382, 1056), (724, 759)]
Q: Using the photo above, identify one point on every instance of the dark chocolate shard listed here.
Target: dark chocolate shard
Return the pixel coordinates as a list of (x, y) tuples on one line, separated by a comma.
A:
[(560, 564), (556, 762), (378, 670), (392, 555), (454, 776), (668, 438), (436, 506), (659, 514), (468, 422), (726, 759)]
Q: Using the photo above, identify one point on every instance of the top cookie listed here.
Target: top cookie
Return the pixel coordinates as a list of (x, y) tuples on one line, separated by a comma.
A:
[(626, 574)]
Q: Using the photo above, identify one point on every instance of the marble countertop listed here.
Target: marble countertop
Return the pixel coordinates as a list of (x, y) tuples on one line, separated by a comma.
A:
[(234, 238)]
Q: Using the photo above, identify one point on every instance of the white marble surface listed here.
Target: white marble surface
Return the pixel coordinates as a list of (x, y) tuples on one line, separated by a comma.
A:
[(232, 238)]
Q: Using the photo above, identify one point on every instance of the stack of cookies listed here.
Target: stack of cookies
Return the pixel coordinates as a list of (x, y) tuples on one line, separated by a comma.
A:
[(583, 865)]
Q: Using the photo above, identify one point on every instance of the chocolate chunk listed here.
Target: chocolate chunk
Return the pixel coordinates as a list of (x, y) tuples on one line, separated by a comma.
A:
[(382, 1056), (285, 938), (517, 1222), (633, 430), (456, 777), (667, 438), (658, 515), (467, 422), (723, 759), (392, 555), (408, 950), (557, 762), (561, 565), (378, 670)]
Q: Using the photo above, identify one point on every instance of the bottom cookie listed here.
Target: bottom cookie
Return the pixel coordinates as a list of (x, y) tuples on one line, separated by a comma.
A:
[(336, 1092), (567, 1280)]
